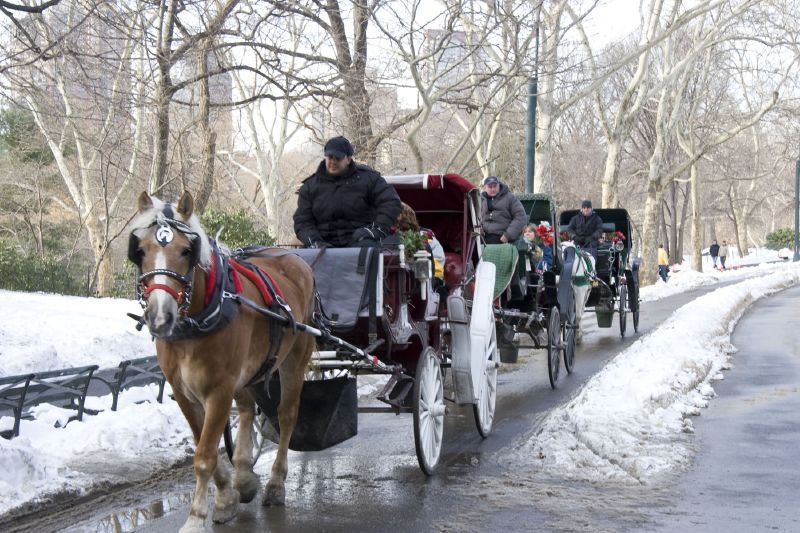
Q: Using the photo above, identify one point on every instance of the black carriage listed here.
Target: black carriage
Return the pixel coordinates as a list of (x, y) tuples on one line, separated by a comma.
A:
[(616, 287), (530, 304), (383, 311)]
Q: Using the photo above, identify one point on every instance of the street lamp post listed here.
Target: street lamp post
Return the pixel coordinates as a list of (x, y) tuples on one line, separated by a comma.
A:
[(796, 209), (533, 90)]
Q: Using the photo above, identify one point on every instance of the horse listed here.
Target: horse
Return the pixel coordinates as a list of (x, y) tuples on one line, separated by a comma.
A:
[(209, 362), (582, 272)]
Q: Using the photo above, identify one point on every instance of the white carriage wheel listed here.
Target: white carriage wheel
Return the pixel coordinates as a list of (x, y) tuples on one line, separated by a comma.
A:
[(484, 409), (429, 410)]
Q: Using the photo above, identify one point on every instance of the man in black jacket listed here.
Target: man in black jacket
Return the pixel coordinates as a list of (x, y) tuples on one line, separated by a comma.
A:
[(586, 228), (344, 203)]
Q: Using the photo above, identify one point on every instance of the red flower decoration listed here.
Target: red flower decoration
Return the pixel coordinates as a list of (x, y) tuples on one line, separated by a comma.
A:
[(615, 237)]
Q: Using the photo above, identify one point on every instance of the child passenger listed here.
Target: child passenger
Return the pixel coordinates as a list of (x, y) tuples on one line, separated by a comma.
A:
[(540, 242)]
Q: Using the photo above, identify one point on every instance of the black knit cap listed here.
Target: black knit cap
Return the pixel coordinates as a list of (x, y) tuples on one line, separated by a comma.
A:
[(338, 147), (586, 203)]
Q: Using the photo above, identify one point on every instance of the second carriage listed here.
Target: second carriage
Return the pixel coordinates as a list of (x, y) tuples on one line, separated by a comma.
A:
[(530, 302)]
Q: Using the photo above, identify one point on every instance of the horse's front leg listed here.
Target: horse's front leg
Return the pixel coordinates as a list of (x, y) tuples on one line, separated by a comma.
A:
[(194, 415), (581, 296), (245, 480), (206, 463)]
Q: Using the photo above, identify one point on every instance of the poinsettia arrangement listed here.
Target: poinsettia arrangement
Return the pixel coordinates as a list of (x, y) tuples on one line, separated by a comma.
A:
[(545, 235), (615, 237)]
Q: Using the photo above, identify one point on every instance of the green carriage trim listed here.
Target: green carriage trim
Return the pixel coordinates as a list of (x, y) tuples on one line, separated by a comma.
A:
[(505, 258)]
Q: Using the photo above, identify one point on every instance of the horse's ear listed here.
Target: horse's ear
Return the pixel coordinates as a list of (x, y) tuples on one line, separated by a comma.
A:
[(186, 205), (145, 202)]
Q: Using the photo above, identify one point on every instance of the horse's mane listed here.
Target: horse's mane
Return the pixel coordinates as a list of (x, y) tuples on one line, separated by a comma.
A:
[(154, 215)]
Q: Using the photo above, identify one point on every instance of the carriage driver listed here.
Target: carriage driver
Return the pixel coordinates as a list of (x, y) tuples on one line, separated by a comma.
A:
[(344, 203), (503, 214), (586, 228)]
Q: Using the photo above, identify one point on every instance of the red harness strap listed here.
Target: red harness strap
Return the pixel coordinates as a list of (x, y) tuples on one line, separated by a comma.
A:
[(256, 280)]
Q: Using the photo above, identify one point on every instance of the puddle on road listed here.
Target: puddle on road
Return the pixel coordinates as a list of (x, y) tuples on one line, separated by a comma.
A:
[(134, 518)]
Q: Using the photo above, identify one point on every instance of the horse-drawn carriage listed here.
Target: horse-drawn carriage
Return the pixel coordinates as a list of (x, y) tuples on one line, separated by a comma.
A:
[(613, 287), (531, 304), (312, 320)]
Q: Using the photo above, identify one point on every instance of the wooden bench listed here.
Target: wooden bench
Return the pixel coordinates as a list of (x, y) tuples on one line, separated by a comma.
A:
[(133, 373), (64, 388)]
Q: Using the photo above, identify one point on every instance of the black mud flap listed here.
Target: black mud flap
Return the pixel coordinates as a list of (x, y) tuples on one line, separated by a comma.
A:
[(328, 412), (566, 300)]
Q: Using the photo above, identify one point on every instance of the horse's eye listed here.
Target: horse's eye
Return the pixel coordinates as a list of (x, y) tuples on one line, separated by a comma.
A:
[(187, 252)]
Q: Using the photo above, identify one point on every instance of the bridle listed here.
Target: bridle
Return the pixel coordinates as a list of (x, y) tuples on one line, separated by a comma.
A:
[(182, 297)]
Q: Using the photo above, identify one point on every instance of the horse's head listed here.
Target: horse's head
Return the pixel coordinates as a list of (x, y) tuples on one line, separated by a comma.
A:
[(166, 244)]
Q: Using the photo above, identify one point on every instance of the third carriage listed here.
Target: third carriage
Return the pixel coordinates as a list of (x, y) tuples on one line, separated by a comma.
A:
[(615, 284)]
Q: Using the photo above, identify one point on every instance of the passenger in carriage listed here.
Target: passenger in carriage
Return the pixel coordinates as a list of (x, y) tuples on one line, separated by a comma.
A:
[(540, 244), (586, 228), (407, 221), (503, 214), (344, 203)]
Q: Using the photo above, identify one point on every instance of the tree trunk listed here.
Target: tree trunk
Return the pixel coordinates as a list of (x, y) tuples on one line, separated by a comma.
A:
[(208, 135), (697, 242), (611, 173), (648, 269)]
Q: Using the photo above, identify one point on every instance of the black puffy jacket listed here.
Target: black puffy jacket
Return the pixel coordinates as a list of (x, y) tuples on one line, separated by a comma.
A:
[(331, 208), (586, 230)]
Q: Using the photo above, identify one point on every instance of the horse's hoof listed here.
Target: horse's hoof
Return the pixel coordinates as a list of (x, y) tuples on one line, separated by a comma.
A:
[(274, 494), (194, 524), (247, 484), (226, 505)]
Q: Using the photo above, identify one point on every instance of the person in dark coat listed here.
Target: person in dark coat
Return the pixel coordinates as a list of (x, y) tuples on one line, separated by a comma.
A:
[(586, 228), (344, 203), (713, 251), (502, 213)]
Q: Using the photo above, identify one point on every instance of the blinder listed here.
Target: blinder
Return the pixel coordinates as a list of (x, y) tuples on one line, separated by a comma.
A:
[(134, 253)]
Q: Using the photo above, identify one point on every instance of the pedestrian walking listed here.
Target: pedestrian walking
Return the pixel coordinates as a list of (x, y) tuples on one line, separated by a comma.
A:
[(663, 262), (713, 251), (723, 254)]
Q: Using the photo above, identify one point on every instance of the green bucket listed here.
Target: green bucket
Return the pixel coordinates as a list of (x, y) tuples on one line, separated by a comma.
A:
[(604, 318)]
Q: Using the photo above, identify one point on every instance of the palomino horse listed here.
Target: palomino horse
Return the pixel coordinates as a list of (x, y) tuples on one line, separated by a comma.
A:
[(582, 272), (210, 362)]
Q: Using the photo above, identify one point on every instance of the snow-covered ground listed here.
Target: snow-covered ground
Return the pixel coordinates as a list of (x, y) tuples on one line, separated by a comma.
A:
[(626, 423)]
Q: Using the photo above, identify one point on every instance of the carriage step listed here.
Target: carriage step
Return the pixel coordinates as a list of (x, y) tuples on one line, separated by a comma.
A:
[(397, 391)]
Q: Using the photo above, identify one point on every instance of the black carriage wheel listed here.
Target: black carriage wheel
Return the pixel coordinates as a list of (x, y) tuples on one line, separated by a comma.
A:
[(636, 320), (553, 346), (232, 426), (623, 314), (569, 346)]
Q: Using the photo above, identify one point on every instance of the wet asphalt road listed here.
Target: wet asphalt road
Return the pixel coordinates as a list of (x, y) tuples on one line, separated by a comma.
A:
[(373, 483), (746, 476)]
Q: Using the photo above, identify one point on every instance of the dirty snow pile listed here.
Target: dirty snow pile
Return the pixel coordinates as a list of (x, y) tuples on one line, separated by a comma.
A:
[(630, 421)]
